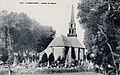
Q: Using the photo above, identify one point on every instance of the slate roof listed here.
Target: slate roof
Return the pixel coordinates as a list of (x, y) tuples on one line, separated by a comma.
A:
[(75, 42), (63, 41)]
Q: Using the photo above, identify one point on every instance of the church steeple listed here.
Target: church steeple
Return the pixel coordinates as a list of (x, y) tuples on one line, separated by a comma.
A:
[(72, 25)]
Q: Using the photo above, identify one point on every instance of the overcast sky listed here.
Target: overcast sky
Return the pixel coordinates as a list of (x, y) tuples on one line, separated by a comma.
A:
[(55, 15)]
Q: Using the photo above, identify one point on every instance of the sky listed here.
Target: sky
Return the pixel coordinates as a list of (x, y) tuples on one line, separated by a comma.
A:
[(56, 14)]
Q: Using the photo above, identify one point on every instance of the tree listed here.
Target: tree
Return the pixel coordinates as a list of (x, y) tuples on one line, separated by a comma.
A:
[(4, 54), (100, 21), (43, 36), (51, 58), (23, 34), (44, 58)]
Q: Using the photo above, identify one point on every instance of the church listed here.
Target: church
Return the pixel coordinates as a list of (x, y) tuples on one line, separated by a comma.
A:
[(67, 47)]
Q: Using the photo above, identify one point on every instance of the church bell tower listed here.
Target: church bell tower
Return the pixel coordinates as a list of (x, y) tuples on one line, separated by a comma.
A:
[(72, 25)]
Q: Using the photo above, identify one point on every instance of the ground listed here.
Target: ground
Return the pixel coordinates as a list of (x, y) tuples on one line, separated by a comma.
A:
[(80, 73), (75, 73)]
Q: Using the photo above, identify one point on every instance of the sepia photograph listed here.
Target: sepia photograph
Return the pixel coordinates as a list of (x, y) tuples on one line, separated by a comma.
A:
[(59, 37)]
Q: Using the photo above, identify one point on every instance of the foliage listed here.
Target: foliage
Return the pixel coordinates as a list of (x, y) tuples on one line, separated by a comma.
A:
[(44, 58), (51, 58), (3, 54), (23, 34), (101, 22)]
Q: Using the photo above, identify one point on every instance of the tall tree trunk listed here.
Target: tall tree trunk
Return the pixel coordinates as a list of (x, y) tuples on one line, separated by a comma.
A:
[(6, 37), (109, 47)]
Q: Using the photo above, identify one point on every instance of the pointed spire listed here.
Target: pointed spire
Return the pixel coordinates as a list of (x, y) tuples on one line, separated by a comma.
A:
[(72, 25), (72, 15)]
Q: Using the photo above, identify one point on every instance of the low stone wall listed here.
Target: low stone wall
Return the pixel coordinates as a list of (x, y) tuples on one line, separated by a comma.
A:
[(48, 70), (41, 71), (57, 70), (4, 72)]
